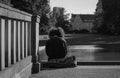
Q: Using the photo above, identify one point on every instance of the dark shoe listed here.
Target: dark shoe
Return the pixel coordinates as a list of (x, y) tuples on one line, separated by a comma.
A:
[(70, 59)]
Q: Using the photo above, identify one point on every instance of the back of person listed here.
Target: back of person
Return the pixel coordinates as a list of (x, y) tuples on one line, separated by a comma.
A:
[(56, 48)]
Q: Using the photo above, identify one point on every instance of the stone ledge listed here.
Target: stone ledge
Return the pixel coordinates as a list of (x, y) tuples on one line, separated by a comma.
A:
[(25, 73), (21, 69), (102, 63)]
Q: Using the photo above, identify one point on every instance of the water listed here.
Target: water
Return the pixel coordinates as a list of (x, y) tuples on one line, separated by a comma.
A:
[(92, 53)]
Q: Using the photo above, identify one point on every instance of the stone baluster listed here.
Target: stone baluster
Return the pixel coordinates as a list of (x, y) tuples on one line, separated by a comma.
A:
[(2, 44), (9, 42), (26, 39), (23, 41), (14, 39), (19, 41)]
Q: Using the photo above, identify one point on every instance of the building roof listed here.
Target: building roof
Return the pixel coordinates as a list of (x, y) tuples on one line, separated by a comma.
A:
[(84, 17)]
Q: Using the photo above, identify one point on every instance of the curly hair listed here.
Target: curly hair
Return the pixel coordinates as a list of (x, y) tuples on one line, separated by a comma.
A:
[(58, 32)]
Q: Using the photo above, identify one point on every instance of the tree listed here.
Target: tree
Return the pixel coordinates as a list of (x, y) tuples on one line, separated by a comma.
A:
[(44, 24), (63, 22), (37, 7), (110, 17)]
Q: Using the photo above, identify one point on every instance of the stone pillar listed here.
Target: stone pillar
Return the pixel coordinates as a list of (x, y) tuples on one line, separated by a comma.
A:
[(35, 43)]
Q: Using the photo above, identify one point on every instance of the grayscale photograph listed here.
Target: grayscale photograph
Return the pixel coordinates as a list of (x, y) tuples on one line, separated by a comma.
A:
[(59, 38)]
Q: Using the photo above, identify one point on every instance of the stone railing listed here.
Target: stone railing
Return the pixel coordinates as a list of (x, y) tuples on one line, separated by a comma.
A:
[(18, 42)]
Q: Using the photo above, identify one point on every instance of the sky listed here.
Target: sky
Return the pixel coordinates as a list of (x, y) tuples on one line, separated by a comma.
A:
[(76, 6)]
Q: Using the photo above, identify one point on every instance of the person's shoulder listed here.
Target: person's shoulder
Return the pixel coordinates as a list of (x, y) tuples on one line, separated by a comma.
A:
[(53, 39), (56, 39)]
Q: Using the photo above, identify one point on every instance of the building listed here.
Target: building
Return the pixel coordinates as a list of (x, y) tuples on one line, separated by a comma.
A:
[(82, 21), (58, 11)]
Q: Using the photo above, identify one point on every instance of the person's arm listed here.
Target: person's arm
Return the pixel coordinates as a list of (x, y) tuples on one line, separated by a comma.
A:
[(65, 47)]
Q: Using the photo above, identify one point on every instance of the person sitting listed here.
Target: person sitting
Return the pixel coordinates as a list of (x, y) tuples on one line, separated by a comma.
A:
[(56, 47)]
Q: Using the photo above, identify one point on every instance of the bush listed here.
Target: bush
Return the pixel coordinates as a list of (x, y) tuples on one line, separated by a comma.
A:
[(83, 31), (78, 31)]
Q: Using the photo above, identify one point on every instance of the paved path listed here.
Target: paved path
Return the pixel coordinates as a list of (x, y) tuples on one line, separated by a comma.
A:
[(108, 52), (81, 72)]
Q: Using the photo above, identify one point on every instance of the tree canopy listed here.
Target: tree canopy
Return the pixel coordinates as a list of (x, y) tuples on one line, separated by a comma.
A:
[(110, 22), (63, 21), (32, 6)]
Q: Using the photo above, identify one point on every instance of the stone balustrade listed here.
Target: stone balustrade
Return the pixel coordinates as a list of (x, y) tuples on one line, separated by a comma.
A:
[(19, 41)]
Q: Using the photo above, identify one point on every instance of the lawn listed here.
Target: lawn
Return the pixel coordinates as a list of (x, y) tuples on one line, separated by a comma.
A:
[(79, 39)]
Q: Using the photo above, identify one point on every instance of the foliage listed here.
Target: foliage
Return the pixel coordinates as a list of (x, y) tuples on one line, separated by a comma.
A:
[(110, 22), (37, 7), (44, 24), (63, 21), (79, 31), (44, 20)]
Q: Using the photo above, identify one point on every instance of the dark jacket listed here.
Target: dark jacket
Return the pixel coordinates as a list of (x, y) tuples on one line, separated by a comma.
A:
[(56, 48)]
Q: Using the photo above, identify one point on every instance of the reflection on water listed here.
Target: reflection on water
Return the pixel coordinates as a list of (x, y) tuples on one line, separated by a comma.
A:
[(86, 48), (96, 52)]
